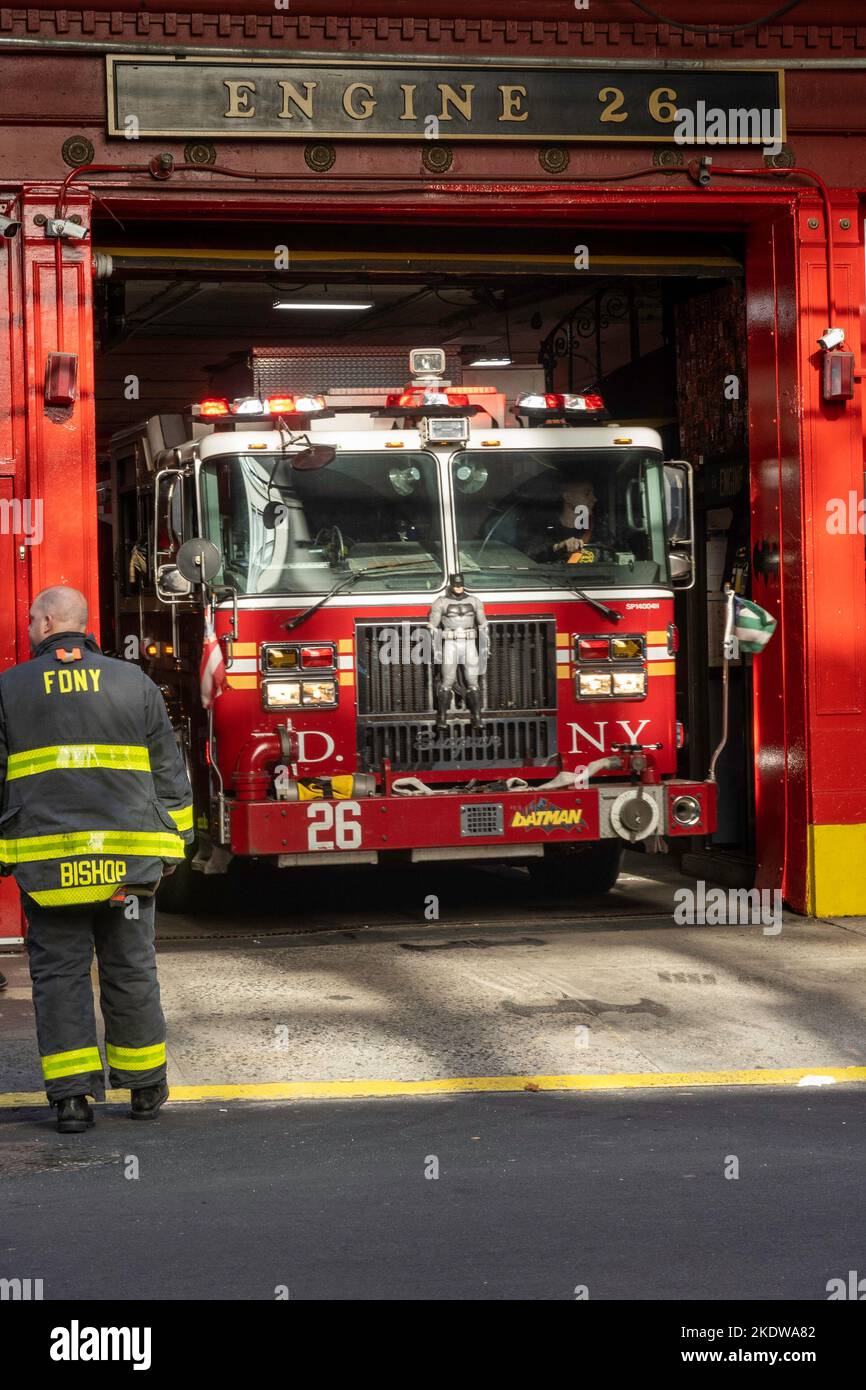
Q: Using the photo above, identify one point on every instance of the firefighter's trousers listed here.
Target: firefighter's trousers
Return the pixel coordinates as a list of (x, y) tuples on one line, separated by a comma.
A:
[(60, 944)]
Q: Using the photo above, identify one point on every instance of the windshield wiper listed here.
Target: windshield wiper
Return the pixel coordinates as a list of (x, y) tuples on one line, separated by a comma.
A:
[(600, 607), (346, 583)]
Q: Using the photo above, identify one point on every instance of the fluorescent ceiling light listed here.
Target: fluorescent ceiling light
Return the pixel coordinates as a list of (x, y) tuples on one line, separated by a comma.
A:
[(316, 304), (491, 362)]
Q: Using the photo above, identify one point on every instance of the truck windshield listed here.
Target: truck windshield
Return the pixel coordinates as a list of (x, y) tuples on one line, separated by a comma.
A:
[(538, 518), (284, 531)]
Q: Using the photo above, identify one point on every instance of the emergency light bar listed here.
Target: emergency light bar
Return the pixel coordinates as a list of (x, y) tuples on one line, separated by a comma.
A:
[(553, 405), (218, 406), (417, 397)]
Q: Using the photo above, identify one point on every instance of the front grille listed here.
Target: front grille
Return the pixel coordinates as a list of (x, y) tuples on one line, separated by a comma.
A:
[(521, 666), (520, 675), (413, 745), (392, 686)]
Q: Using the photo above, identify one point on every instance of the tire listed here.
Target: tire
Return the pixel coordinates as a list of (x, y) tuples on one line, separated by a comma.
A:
[(581, 871)]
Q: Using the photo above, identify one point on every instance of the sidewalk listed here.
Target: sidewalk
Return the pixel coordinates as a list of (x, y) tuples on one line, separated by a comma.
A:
[(512, 992)]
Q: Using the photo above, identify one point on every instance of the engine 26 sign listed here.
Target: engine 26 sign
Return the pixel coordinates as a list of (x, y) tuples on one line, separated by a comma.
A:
[(386, 100)]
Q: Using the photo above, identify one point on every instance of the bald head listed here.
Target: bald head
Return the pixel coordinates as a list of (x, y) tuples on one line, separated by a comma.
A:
[(59, 609)]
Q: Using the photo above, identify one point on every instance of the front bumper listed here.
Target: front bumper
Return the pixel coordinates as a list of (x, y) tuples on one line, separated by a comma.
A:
[(475, 825)]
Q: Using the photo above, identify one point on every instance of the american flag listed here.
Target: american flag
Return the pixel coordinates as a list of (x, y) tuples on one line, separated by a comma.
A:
[(212, 676)]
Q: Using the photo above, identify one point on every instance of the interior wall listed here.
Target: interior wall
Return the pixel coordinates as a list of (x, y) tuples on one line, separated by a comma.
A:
[(712, 411)]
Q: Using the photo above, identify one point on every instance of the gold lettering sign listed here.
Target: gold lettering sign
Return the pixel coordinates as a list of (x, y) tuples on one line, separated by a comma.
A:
[(239, 100), (512, 100), (380, 98), (291, 95)]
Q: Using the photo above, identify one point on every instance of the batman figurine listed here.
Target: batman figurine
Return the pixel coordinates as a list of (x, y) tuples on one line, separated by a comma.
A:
[(460, 643)]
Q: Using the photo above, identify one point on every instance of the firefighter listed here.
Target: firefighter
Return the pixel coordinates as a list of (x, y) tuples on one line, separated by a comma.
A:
[(95, 806), (576, 532)]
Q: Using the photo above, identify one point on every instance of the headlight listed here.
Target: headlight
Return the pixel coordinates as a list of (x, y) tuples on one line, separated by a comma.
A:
[(291, 694), (615, 685), (282, 694), (593, 683), (629, 683), (318, 692)]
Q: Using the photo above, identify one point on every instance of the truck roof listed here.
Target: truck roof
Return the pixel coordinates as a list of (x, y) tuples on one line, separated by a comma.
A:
[(224, 442)]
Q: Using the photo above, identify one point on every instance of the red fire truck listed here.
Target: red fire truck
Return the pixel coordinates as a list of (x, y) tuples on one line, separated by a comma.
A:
[(354, 729)]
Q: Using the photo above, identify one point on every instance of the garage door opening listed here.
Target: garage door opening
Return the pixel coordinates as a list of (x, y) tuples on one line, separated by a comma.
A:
[(655, 325)]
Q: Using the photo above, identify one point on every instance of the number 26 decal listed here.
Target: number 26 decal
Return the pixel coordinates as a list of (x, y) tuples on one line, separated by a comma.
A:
[(334, 825)]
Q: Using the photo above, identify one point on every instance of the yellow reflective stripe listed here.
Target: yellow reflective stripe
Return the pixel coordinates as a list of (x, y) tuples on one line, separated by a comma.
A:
[(67, 897), (154, 844), (83, 1059), (135, 1058), (182, 819), (77, 756)]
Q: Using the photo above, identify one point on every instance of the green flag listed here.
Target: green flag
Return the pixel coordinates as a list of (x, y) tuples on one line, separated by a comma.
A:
[(753, 625)]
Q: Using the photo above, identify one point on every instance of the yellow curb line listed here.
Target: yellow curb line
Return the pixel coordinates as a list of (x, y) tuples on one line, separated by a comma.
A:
[(612, 1081)]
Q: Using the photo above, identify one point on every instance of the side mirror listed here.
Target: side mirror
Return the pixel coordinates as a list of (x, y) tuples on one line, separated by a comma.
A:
[(313, 457), (170, 584), (199, 561), (681, 568), (680, 522), (634, 506)]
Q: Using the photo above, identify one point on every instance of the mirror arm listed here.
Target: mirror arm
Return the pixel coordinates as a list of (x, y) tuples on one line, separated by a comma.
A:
[(233, 635)]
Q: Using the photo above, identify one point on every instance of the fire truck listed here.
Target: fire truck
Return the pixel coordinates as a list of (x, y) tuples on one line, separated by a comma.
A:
[(447, 627)]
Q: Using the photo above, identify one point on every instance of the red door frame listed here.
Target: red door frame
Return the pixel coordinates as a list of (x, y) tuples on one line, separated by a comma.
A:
[(791, 436)]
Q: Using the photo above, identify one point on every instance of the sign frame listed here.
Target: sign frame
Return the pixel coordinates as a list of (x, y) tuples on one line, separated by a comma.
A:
[(379, 64)]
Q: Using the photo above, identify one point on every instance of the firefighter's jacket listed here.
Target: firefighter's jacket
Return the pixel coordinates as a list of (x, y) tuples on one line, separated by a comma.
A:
[(94, 795)]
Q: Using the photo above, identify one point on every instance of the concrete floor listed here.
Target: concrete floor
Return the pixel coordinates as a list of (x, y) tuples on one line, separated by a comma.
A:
[(506, 982)]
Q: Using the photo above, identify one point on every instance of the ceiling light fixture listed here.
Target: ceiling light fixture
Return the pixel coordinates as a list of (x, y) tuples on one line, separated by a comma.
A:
[(504, 359), (314, 305)]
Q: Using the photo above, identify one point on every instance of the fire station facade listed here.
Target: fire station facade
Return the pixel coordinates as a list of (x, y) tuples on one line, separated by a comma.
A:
[(480, 115)]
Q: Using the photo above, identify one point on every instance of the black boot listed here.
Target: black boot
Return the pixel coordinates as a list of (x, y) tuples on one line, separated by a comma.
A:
[(73, 1115), (473, 704), (147, 1100), (443, 702), (3, 981)]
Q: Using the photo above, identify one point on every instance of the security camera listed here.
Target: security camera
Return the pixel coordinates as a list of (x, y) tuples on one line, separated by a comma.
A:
[(65, 228), (831, 338), (8, 226)]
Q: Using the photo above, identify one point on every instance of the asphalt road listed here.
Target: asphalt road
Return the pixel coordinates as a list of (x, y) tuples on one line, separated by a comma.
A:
[(537, 1195)]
